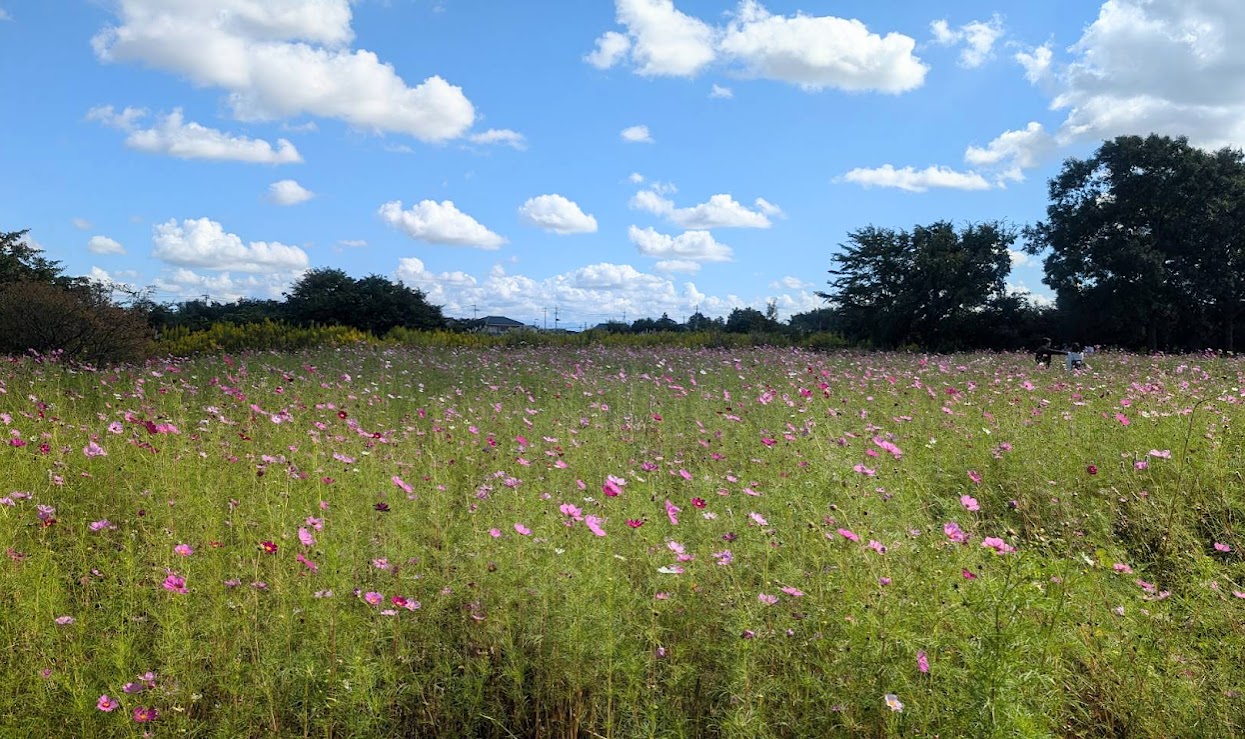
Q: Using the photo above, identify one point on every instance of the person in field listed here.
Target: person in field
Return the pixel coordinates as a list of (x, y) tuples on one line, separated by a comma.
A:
[(1045, 352)]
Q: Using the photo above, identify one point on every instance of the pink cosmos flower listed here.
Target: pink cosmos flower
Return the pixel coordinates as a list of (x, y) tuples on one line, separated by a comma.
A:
[(877, 546), (969, 503), (955, 533), (760, 520), (1122, 568), (975, 476), (305, 537), (495, 533), (64, 620), (403, 486), (634, 523), (522, 530), (144, 715), (922, 661), (184, 550), (1220, 547), (175, 584), (594, 525), (672, 512), (848, 534), (94, 450), (767, 599), (115, 427), (793, 592), (860, 468), (893, 702), (101, 525), (571, 511), (373, 597), (967, 574), (997, 544), (106, 703)]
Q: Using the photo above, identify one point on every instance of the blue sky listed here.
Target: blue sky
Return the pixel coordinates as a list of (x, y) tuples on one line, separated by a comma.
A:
[(609, 159)]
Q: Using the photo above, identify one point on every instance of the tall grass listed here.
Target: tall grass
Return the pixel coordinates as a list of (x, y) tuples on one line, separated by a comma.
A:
[(810, 571)]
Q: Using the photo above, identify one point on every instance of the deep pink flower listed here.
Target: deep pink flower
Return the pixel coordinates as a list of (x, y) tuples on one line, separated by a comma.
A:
[(848, 534), (1092, 469), (975, 476), (175, 584), (184, 550), (268, 547), (373, 597), (635, 523), (144, 715), (106, 704), (922, 661), (1220, 547)]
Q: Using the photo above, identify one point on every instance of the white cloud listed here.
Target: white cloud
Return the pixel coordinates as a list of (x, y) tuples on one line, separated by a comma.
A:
[(205, 243), (81, 224), (439, 223), (104, 245), (504, 136), (589, 295), (1019, 258), (611, 48), (813, 52), (721, 211), (288, 192), (1036, 63), (353, 243), (186, 284), (816, 52), (978, 38), (789, 283), (1012, 152), (660, 40), (283, 58), (674, 266), (914, 180), (557, 214), (1039, 299), (1164, 66), (721, 93), (174, 137), (636, 178), (695, 246), (637, 135)]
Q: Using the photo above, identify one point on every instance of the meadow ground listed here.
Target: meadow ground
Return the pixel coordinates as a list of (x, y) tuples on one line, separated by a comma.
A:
[(622, 543)]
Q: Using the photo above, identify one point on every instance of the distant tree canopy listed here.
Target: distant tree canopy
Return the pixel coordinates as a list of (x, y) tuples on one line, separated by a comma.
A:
[(1146, 243), (893, 287), (330, 296)]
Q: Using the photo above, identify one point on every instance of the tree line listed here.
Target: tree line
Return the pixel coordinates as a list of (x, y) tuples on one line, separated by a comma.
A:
[(1143, 244)]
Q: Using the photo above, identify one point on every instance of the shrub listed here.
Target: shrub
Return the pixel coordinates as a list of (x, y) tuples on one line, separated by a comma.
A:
[(81, 322)]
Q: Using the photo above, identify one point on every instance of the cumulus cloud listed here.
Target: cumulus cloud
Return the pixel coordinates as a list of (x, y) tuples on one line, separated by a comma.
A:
[(502, 136), (173, 136), (439, 223), (721, 211), (288, 192), (1164, 66), (693, 246), (204, 243), (1012, 152), (81, 224), (636, 135), (104, 245), (557, 214), (914, 180), (789, 283), (186, 284), (283, 58), (978, 38), (1019, 258), (814, 52), (591, 294), (1036, 63)]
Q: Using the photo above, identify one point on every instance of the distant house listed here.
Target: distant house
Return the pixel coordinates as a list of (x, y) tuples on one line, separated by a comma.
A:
[(499, 325)]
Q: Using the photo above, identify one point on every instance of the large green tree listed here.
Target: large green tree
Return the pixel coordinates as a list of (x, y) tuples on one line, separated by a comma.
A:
[(894, 287), (1143, 244), (374, 303), (21, 261)]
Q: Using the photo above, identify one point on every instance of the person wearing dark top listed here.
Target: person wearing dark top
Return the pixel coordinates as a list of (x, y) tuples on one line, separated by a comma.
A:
[(1045, 352)]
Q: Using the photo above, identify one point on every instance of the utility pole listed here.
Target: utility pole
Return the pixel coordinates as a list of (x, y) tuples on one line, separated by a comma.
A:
[(555, 318), (473, 311)]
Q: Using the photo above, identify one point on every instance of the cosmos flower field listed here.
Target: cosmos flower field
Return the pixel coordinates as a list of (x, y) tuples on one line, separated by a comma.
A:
[(591, 542)]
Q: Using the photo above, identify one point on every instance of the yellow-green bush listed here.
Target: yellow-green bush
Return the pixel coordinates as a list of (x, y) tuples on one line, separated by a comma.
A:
[(269, 335)]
